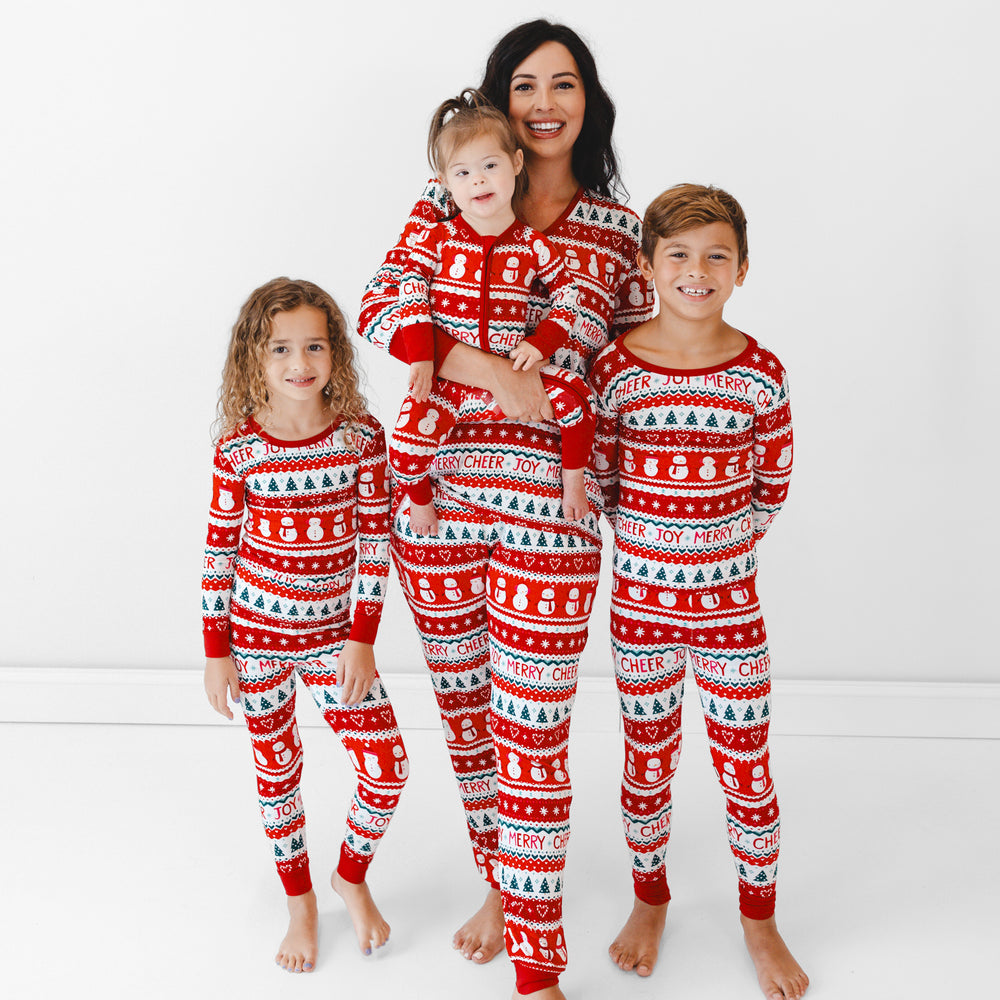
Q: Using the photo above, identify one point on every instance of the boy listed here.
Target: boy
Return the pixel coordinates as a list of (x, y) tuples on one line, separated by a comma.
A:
[(694, 446)]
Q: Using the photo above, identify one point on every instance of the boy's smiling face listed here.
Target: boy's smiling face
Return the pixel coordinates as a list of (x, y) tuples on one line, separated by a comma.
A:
[(695, 271)]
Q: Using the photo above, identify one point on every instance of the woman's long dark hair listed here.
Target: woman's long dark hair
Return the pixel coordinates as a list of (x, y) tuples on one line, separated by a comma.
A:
[(594, 162)]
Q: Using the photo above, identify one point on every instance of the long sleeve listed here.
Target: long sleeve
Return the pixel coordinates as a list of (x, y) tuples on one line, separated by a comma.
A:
[(224, 517), (633, 302), (772, 458), (553, 332), (414, 312), (373, 538), (379, 316), (606, 439)]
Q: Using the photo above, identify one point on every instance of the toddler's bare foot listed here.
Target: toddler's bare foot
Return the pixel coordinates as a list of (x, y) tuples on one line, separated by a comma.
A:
[(297, 952), (574, 498), (423, 518), (480, 938), (369, 924), (638, 943), (779, 975), (550, 993)]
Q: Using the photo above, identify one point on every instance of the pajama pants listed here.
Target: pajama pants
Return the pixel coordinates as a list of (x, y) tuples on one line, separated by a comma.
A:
[(654, 632), (501, 605), (367, 730), (422, 427)]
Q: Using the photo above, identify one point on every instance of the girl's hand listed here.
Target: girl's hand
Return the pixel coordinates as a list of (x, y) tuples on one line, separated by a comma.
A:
[(524, 356), (355, 671), (220, 680), (520, 394), (421, 377)]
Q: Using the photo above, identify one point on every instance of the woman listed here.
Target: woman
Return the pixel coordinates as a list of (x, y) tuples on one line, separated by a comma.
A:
[(501, 596)]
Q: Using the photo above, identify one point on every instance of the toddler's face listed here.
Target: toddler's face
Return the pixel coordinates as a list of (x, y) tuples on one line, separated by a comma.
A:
[(480, 177), (695, 271)]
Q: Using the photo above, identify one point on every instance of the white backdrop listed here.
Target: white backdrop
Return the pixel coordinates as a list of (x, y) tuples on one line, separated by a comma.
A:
[(162, 159)]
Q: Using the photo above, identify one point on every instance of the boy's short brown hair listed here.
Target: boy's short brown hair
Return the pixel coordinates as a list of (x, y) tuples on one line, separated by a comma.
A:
[(687, 206)]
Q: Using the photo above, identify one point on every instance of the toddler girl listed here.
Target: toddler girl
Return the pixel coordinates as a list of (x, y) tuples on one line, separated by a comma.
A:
[(299, 513), (470, 276)]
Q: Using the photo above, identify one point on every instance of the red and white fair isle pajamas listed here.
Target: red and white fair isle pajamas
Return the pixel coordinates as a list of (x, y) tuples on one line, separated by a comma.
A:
[(502, 596), (292, 525), (476, 289), (700, 461)]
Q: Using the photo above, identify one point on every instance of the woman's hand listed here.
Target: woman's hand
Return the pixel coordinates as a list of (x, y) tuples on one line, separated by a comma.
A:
[(220, 680), (520, 395), (355, 671)]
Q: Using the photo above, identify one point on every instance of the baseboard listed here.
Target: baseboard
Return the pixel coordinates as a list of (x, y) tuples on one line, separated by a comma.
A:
[(801, 708)]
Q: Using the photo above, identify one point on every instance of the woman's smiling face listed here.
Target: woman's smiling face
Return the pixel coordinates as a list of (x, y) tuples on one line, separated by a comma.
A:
[(547, 102)]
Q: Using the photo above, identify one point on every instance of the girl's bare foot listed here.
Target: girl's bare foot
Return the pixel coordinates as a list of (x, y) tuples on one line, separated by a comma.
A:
[(369, 925), (297, 952), (423, 518), (549, 993), (638, 943), (574, 498), (480, 938), (779, 975)]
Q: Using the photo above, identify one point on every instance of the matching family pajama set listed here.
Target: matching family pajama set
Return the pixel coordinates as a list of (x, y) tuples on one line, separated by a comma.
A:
[(502, 595), (476, 289), (292, 526), (696, 464)]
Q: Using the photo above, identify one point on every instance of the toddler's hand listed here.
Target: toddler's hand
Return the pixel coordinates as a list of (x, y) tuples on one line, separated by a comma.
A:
[(220, 680), (355, 671), (524, 355), (421, 378)]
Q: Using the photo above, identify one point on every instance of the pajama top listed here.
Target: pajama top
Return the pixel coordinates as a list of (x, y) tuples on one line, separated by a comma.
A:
[(284, 542), (695, 463), (598, 240), (477, 289)]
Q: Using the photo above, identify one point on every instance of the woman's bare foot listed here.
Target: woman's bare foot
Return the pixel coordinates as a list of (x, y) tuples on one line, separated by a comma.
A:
[(480, 938), (549, 993), (297, 952), (369, 925), (574, 497), (423, 518), (779, 975), (638, 943)]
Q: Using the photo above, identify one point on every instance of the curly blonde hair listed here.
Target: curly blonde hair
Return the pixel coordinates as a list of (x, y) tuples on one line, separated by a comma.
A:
[(244, 386)]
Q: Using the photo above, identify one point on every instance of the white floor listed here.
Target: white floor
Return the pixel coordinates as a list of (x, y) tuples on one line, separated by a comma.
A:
[(134, 865)]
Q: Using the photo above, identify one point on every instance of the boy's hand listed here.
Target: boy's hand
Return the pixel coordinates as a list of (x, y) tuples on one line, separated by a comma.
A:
[(421, 378), (355, 671), (524, 356), (220, 680)]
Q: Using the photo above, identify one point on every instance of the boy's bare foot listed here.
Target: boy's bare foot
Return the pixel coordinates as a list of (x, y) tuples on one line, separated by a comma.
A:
[(574, 498), (638, 943), (423, 518), (369, 925), (480, 938), (549, 993), (779, 975), (297, 952)]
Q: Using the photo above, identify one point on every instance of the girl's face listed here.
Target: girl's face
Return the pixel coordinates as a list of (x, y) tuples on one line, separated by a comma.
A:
[(547, 102), (297, 362), (480, 176)]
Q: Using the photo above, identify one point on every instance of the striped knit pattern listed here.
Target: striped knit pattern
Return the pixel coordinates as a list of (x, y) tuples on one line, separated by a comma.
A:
[(424, 425), (498, 487), (696, 465), (292, 526), (476, 289)]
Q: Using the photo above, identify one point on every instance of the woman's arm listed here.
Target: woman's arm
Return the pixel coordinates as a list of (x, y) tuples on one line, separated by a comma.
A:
[(519, 395)]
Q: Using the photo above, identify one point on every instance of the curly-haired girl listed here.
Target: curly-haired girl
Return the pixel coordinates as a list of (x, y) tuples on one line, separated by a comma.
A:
[(300, 513)]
